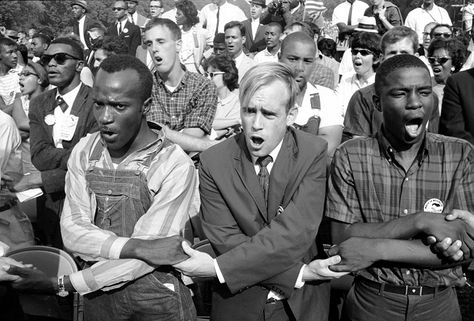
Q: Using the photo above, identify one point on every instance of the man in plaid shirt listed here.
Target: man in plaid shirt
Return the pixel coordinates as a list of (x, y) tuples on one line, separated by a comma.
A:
[(184, 103), (388, 192)]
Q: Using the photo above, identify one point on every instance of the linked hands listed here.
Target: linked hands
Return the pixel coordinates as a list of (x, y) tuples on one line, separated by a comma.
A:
[(199, 264), (321, 269), (357, 253)]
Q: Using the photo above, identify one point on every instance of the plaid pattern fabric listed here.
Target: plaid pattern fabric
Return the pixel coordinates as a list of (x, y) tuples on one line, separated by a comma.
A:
[(192, 104), (366, 185), (322, 75)]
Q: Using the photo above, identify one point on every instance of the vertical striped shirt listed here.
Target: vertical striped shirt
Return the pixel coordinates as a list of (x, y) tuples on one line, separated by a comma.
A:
[(367, 186), (173, 186)]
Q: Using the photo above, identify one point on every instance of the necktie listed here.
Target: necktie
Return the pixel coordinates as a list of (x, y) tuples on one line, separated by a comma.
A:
[(263, 174), (217, 23), (131, 18), (119, 26), (61, 103), (349, 19)]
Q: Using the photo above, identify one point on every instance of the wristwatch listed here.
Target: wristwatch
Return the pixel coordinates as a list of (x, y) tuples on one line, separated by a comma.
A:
[(61, 288)]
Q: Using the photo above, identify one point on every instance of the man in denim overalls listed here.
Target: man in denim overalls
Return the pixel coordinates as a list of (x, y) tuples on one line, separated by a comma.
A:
[(130, 194)]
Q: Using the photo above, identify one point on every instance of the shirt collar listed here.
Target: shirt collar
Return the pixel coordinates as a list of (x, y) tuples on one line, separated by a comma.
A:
[(82, 19), (389, 152), (239, 58), (70, 96), (273, 153)]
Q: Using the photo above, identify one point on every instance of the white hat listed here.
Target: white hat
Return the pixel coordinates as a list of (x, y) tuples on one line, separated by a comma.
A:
[(367, 24)]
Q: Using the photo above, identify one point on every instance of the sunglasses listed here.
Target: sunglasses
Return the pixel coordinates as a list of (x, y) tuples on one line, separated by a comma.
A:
[(27, 73), (444, 35), (215, 73), (440, 60), (363, 52), (117, 9), (60, 58)]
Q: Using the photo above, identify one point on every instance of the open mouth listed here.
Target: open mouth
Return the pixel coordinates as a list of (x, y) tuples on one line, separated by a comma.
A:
[(437, 70), (357, 63), (413, 127), (158, 59), (256, 141)]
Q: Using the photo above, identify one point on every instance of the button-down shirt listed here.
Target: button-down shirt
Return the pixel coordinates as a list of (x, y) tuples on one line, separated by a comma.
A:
[(61, 117), (172, 183), (418, 18), (322, 75), (265, 56), (191, 105), (367, 185), (348, 86), (10, 86), (341, 12), (227, 12), (81, 31)]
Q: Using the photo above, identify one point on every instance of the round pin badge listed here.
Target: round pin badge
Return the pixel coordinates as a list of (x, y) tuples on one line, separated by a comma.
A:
[(49, 119), (434, 205)]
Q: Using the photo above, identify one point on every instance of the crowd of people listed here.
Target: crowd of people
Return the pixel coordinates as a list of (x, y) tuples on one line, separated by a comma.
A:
[(300, 158)]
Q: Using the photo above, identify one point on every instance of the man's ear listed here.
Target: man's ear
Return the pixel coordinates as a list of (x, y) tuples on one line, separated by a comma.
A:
[(179, 44), (376, 101), (147, 105), (244, 38), (79, 65), (291, 116)]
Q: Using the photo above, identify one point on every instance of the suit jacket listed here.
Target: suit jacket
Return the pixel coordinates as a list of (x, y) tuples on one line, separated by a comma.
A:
[(457, 111), (87, 23), (130, 33), (257, 44), (259, 247), (52, 161)]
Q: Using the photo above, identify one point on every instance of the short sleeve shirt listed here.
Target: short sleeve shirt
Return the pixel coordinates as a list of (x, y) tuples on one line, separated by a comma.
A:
[(192, 104)]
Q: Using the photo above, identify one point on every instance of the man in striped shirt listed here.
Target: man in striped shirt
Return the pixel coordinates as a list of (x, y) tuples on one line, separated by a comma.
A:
[(388, 192), (130, 196)]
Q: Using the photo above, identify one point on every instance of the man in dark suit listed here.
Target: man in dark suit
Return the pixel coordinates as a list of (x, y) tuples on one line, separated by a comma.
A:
[(134, 17), (123, 28), (82, 22), (58, 119), (262, 217), (457, 112), (254, 30)]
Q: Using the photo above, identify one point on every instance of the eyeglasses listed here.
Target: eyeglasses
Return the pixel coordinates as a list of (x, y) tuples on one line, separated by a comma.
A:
[(445, 35), (60, 58), (27, 73), (215, 73), (363, 52), (440, 60), (117, 9)]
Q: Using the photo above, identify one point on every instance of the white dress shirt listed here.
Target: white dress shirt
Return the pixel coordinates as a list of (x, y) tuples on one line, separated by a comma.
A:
[(81, 31), (61, 117)]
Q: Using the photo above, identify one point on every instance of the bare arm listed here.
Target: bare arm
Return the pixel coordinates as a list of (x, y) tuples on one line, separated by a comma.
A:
[(190, 139)]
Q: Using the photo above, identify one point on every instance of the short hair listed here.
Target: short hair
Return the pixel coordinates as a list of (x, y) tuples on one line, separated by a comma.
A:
[(276, 24), (113, 45), (368, 40), (296, 36), (44, 38), (7, 42), (233, 24), (305, 28), (189, 11), (23, 49), (226, 64), (264, 75), (439, 25), (173, 27), (399, 33), (74, 44), (328, 47), (394, 63), (118, 63), (219, 38), (41, 72), (456, 49)]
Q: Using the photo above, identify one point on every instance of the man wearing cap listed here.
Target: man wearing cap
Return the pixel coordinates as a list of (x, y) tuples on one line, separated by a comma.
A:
[(134, 17), (254, 30), (387, 15), (123, 28), (82, 21)]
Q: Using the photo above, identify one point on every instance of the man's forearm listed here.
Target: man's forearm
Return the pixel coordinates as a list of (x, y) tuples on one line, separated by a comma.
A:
[(163, 251), (189, 143)]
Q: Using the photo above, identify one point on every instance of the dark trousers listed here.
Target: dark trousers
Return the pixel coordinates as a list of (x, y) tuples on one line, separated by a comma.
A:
[(364, 303), (277, 311)]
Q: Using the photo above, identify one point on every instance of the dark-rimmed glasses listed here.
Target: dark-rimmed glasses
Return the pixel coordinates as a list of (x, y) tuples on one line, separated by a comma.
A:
[(27, 73), (440, 60), (444, 35), (363, 52), (215, 73), (60, 58)]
